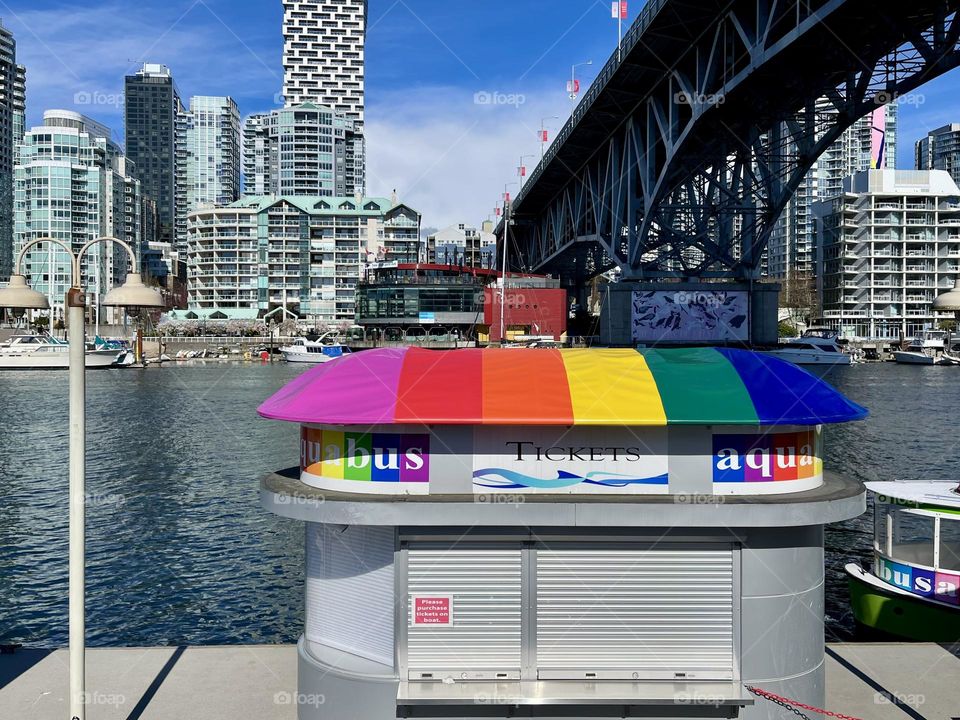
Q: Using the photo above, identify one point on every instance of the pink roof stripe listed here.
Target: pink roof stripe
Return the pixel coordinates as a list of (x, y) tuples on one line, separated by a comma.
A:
[(365, 392)]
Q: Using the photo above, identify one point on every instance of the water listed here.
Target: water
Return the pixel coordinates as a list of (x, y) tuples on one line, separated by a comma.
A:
[(179, 550)]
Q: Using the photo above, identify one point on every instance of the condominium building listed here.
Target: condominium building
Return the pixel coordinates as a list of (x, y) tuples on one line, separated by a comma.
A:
[(74, 184), (940, 150), (13, 81), (207, 158), (152, 109), (886, 247), (306, 149), (303, 254), (463, 245), (323, 60), (871, 143)]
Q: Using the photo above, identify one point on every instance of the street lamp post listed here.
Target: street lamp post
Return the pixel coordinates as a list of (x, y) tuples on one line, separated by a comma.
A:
[(503, 276), (543, 133), (19, 296), (522, 169), (573, 78)]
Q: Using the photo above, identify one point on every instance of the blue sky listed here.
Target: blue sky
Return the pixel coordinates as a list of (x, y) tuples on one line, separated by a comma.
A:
[(428, 138)]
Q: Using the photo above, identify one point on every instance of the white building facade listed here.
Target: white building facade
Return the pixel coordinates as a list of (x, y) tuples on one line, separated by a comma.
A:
[(74, 184), (207, 158), (307, 149), (304, 254), (323, 60), (463, 244), (871, 143), (886, 247)]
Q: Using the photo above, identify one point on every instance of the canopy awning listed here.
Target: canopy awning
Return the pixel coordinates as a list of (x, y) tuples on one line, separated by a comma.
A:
[(538, 386)]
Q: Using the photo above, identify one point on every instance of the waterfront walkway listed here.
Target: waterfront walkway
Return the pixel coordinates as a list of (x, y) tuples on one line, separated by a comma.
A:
[(875, 681)]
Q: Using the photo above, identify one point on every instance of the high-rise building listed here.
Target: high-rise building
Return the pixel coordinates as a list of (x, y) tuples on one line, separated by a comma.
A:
[(306, 150), (887, 244), (940, 150), (13, 83), (207, 158), (152, 109), (871, 143), (74, 184), (323, 61), (303, 254)]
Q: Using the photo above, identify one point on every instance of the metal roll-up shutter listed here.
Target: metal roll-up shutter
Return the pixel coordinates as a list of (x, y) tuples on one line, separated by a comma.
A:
[(483, 637), (349, 602), (636, 613)]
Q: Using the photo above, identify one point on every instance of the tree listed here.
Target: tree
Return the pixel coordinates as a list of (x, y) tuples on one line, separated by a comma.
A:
[(798, 296)]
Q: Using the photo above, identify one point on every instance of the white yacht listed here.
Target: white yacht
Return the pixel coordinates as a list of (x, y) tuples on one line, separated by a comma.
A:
[(36, 352), (925, 349), (324, 349), (817, 346)]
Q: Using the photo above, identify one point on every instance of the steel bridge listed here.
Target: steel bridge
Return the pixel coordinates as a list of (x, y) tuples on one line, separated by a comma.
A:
[(681, 156)]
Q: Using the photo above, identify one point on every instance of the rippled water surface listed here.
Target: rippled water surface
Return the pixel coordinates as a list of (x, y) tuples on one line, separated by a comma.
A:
[(179, 550)]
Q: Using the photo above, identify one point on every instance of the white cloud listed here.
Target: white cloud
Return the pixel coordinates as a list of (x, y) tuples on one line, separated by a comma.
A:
[(448, 152)]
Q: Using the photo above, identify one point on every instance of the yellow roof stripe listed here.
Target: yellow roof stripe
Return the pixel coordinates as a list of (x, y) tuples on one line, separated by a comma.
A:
[(612, 386)]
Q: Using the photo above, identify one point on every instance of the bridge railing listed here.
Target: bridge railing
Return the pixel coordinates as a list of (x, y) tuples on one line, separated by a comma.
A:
[(630, 39)]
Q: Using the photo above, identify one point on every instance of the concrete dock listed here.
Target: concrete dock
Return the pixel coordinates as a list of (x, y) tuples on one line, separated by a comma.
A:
[(872, 681)]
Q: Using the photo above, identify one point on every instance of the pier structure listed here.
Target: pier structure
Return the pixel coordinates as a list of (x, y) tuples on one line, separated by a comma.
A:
[(561, 533)]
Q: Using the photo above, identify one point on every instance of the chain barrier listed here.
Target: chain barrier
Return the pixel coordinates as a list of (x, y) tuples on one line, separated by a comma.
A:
[(797, 707)]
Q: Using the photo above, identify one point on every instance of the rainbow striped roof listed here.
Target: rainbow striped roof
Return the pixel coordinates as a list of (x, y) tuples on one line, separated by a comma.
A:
[(685, 386)]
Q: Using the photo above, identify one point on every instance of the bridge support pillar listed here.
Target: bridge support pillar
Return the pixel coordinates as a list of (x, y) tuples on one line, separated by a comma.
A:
[(689, 313)]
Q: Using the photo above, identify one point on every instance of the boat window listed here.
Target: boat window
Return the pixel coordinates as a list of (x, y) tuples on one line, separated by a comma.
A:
[(950, 544), (913, 538)]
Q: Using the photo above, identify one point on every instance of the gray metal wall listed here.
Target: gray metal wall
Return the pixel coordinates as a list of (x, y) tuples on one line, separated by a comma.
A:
[(782, 643)]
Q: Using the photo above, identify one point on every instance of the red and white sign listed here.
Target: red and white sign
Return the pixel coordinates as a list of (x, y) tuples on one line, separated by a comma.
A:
[(618, 10), (431, 610), (573, 86), (543, 135), (522, 171)]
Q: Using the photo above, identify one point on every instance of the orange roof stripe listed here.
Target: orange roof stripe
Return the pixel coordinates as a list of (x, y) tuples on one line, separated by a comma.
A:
[(518, 386)]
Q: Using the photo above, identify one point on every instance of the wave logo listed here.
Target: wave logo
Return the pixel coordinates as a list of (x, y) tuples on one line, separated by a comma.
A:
[(369, 457), (503, 479), (766, 458)]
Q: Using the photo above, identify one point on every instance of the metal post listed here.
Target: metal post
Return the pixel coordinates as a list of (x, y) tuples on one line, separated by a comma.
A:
[(503, 276), (75, 327)]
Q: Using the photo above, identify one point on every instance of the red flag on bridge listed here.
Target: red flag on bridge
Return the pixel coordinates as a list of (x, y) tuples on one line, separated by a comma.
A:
[(618, 10), (522, 171), (573, 86), (543, 135)]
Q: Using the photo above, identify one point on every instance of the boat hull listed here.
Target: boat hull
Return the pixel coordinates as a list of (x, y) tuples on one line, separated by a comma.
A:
[(912, 358), (56, 360), (883, 609), (312, 358)]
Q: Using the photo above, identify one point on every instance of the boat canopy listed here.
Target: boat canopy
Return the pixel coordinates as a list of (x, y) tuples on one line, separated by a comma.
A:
[(927, 495), (500, 386)]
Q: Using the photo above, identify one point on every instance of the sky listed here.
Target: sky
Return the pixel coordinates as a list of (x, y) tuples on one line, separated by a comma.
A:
[(455, 89)]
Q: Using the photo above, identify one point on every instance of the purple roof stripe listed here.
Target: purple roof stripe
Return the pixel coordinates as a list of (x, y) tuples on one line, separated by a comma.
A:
[(361, 390)]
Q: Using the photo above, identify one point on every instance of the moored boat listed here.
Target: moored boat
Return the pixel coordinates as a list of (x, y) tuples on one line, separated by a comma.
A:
[(926, 348), (817, 346), (322, 350), (912, 590), (42, 352)]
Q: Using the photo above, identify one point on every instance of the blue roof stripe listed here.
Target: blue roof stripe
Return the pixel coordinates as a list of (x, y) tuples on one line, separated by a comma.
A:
[(784, 394)]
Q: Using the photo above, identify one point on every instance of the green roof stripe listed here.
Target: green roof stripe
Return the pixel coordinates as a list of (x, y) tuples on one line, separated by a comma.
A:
[(695, 383)]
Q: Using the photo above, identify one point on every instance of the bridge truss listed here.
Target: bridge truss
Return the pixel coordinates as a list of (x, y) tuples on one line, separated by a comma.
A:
[(682, 156)]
